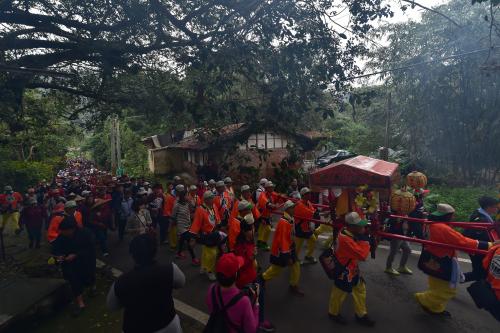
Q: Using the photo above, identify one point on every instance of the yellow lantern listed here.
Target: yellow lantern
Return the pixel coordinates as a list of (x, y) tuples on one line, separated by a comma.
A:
[(416, 180), (403, 202)]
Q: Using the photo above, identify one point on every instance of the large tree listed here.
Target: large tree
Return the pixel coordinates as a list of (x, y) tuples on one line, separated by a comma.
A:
[(287, 49), (446, 93)]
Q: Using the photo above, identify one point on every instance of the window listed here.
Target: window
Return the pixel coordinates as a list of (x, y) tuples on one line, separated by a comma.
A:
[(252, 141), (266, 140), (261, 141), (270, 143)]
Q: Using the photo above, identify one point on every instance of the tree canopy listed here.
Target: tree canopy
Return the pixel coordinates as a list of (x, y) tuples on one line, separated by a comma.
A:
[(286, 49)]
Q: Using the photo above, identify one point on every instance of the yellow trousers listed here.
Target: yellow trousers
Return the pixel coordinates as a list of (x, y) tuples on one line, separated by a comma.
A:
[(275, 270), (9, 221), (208, 258), (325, 229), (172, 237), (311, 242), (264, 232), (337, 297), (437, 296)]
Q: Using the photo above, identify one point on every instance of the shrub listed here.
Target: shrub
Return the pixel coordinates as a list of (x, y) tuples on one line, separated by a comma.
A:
[(463, 199), (23, 174)]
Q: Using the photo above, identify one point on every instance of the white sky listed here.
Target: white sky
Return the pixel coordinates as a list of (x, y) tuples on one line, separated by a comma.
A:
[(399, 16), (411, 14)]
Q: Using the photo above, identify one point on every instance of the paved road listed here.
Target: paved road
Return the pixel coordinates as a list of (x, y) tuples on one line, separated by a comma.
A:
[(390, 300)]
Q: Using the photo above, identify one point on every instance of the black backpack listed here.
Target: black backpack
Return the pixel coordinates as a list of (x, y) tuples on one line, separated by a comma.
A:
[(218, 322)]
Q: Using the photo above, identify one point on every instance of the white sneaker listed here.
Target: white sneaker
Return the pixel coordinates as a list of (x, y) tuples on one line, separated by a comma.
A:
[(211, 276), (202, 270), (105, 254)]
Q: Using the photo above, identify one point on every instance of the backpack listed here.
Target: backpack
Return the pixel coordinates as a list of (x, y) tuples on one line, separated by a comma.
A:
[(218, 322)]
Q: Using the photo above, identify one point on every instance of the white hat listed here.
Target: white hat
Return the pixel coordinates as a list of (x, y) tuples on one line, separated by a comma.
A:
[(353, 218), (228, 180), (443, 209), (180, 188), (269, 184), (205, 183), (245, 188), (289, 204), (177, 178), (304, 191), (142, 191), (211, 182), (220, 183), (86, 193), (193, 188), (208, 195), (243, 205), (249, 219), (263, 181), (70, 204)]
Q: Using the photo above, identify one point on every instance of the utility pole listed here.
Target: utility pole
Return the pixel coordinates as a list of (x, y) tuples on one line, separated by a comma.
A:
[(116, 165), (384, 152)]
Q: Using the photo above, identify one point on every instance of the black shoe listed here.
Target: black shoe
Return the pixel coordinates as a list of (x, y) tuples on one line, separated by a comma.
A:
[(365, 321), (338, 319), (77, 311), (92, 292), (444, 314), (295, 290)]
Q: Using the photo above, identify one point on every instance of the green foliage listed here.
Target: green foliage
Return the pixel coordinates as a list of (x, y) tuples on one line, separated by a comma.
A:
[(445, 113), (356, 136), (463, 199), (23, 174), (134, 153)]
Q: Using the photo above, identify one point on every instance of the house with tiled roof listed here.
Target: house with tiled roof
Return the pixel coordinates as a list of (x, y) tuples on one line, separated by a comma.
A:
[(237, 150)]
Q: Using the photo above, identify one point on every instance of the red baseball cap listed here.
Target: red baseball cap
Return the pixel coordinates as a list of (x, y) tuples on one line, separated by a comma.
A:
[(229, 264)]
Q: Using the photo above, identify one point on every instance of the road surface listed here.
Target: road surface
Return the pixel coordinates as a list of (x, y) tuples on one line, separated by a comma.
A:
[(390, 299)]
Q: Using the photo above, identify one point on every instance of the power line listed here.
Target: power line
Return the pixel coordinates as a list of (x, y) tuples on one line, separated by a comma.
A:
[(421, 63)]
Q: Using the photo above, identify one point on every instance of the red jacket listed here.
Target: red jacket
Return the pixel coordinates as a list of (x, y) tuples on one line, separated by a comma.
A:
[(264, 200), (223, 203), (303, 213), (234, 231), (283, 240), (168, 204), (13, 200), (248, 272), (204, 221), (491, 264), (350, 252), (443, 233)]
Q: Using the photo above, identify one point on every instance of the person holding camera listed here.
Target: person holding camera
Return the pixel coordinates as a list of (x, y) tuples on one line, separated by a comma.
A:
[(74, 249), (145, 293), (231, 309)]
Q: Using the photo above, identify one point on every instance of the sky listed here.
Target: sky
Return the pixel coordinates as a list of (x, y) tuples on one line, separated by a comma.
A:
[(411, 14), (399, 16)]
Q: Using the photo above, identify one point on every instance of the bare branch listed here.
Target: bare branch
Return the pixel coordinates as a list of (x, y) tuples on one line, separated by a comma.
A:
[(416, 4)]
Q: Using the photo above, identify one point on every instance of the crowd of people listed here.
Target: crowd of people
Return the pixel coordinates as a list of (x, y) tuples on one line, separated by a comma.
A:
[(82, 204)]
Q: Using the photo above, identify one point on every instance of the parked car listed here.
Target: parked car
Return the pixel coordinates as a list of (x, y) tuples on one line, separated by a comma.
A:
[(333, 156)]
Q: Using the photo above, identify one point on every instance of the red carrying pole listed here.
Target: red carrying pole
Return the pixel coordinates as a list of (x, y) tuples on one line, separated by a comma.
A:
[(427, 242), (466, 225)]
